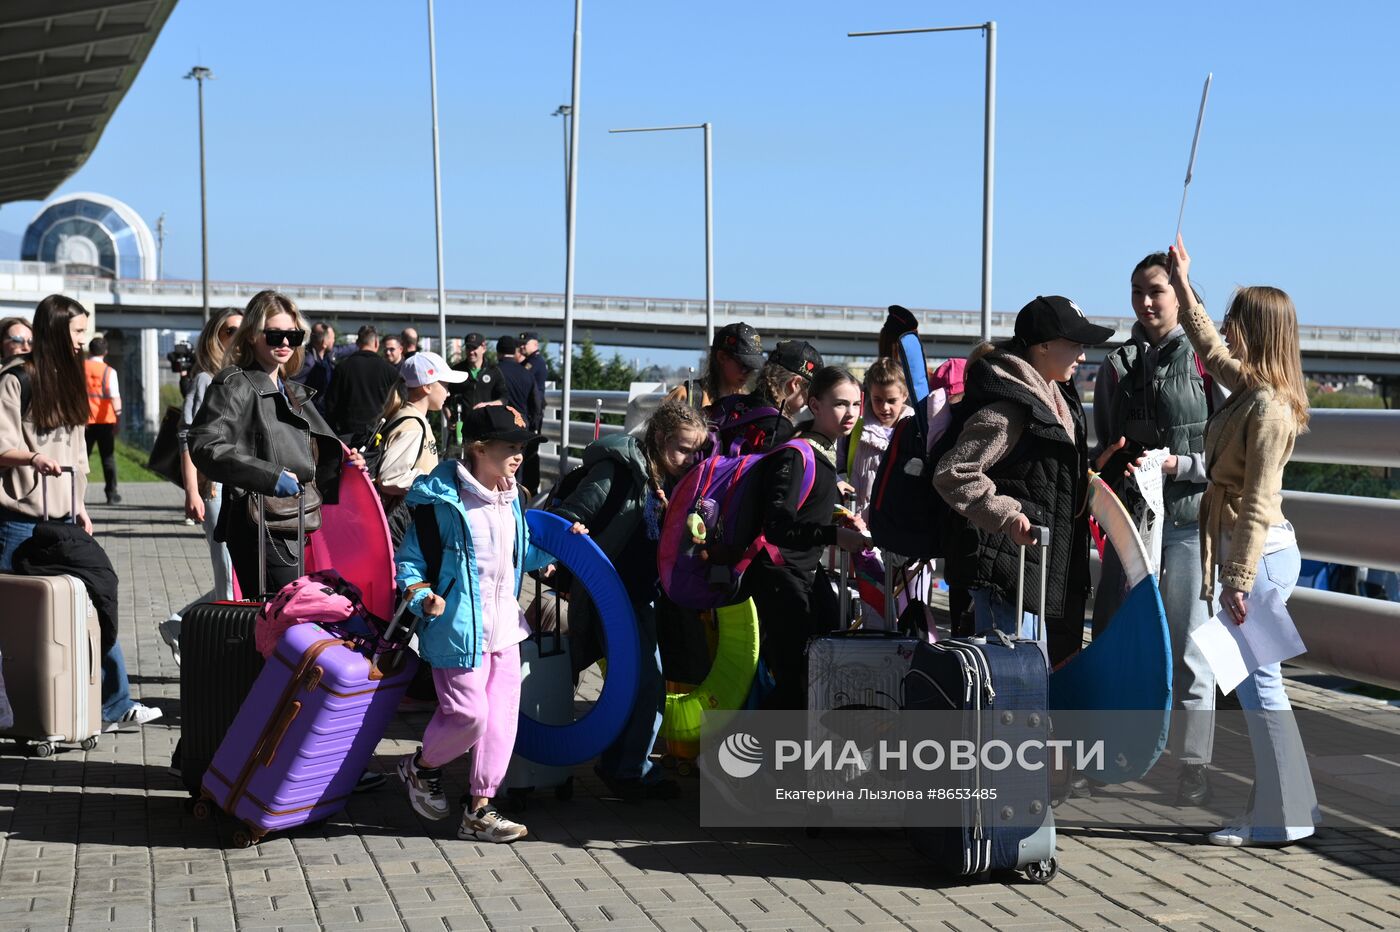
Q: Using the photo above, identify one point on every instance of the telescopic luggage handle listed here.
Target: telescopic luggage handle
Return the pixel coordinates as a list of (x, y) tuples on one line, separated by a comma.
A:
[(44, 492), (264, 539), (1041, 536)]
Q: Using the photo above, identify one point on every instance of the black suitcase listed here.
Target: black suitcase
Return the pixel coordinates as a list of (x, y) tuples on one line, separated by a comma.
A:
[(219, 661), (1008, 676)]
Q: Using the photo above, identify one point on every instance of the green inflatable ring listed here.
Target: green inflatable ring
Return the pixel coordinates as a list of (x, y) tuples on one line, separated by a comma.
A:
[(731, 675)]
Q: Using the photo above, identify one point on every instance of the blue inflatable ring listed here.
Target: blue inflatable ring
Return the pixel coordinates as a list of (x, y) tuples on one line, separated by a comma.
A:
[(587, 737)]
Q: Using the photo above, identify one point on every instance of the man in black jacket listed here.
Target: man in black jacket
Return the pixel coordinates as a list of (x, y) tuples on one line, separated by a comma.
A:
[(359, 389), (484, 383)]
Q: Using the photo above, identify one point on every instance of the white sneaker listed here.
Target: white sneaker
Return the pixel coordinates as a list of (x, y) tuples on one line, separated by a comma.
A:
[(1244, 836), (424, 788), (138, 714), (486, 824), (170, 634)]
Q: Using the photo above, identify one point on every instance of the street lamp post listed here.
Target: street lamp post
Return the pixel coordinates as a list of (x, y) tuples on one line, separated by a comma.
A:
[(989, 29), (200, 74), (709, 221), (570, 225), (567, 112), (437, 182)]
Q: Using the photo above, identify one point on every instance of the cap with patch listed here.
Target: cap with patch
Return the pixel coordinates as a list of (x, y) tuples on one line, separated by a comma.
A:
[(1056, 317), (424, 368), (529, 335), (497, 422), (740, 341), (797, 356), (472, 340)]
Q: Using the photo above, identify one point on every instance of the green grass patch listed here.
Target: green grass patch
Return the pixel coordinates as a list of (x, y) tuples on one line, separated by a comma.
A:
[(131, 466)]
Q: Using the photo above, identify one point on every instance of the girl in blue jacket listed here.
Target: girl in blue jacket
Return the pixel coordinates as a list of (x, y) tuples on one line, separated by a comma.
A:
[(471, 625)]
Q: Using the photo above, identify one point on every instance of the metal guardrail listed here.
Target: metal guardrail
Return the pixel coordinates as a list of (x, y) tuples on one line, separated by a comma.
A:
[(1350, 636), (867, 318)]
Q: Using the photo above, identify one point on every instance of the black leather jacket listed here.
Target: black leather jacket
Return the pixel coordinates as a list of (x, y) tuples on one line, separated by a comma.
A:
[(247, 432)]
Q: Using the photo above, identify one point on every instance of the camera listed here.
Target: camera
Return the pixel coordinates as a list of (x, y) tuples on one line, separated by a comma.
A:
[(181, 360)]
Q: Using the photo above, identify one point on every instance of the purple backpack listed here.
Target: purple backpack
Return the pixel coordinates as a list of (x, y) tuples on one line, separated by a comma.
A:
[(712, 529)]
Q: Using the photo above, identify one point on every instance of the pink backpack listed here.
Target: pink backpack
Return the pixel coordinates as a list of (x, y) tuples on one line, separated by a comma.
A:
[(324, 597)]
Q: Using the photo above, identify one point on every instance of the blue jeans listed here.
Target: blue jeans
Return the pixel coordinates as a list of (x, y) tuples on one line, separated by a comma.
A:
[(629, 757), (1284, 803), (116, 690), (991, 613)]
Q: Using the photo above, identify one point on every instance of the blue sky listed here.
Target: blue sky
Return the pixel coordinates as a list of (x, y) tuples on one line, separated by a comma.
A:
[(846, 170)]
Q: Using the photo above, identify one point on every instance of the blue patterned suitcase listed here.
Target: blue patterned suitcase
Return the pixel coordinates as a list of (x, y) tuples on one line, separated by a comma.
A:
[(1007, 676)]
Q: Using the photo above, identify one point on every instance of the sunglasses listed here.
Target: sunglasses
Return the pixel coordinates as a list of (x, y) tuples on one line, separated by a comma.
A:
[(21, 341), (228, 331), (292, 338)]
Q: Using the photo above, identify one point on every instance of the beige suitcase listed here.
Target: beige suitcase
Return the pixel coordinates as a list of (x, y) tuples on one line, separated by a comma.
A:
[(52, 650)]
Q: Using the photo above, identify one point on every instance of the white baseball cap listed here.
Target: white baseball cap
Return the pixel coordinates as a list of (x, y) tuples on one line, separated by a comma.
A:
[(423, 368)]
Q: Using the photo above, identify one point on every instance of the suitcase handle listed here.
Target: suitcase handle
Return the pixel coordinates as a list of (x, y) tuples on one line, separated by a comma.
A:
[(73, 500), (1041, 536)]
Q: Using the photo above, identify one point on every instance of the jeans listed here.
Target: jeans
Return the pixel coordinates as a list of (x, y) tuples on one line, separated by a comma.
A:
[(991, 613), (1284, 803), (1193, 683), (629, 757), (116, 690)]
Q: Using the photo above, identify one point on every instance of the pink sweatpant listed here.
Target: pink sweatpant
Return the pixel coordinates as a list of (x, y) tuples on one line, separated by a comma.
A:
[(478, 708)]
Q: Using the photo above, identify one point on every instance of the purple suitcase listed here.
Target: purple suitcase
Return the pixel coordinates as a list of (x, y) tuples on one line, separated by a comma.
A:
[(304, 734)]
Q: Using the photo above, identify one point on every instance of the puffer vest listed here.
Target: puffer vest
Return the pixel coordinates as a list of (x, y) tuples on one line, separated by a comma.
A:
[(1166, 407), (1046, 471)]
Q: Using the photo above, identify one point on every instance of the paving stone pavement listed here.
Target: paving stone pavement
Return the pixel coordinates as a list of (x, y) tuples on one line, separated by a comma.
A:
[(104, 839)]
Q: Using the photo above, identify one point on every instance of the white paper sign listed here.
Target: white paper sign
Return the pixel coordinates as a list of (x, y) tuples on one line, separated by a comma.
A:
[(1267, 636), (1148, 478)]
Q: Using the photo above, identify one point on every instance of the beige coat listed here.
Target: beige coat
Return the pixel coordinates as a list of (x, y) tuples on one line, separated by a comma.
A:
[(19, 485), (1248, 442)]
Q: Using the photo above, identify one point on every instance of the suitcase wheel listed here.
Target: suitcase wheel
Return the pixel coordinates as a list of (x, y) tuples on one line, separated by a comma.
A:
[(1043, 871), (242, 839), (685, 768), (565, 791), (201, 809), (43, 749), (87, 744)]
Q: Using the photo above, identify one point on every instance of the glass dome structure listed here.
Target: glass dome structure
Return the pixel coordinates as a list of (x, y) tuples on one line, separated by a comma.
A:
[(92, 233)]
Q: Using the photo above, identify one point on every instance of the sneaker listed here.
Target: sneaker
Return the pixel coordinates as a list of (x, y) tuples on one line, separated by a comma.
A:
[(1243, 836), (369, 780), (138, 714), (424, 787), (114, 499), (170, 634), (486, 824)]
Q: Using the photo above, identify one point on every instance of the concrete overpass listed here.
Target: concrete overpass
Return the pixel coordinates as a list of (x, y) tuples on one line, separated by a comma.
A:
[(654, 323)]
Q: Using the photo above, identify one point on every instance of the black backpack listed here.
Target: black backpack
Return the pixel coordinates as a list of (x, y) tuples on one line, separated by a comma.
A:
[(373, 451), (907, 515), (619, 487)]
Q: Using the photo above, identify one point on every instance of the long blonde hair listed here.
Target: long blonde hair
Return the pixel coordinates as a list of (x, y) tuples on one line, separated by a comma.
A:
[(1264, 334), (209, 350), (263, 305)]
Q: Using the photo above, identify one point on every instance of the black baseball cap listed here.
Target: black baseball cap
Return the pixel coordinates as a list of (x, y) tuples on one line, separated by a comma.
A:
[(497, 422), (528, 335), (1055, 317), (796, 356), (740, 341), (472, 340), (506, 345)]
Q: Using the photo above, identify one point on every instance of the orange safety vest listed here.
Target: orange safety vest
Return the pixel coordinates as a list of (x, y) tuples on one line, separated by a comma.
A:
[(100, 407)]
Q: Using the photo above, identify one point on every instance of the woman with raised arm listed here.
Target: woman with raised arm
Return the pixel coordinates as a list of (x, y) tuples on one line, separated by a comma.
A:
[(1247, 545)]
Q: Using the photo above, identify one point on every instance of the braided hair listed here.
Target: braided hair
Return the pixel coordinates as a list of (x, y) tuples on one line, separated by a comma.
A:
[(666, 421)]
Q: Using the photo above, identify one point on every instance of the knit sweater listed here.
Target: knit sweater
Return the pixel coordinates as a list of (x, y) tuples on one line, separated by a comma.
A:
[(1248, 442)]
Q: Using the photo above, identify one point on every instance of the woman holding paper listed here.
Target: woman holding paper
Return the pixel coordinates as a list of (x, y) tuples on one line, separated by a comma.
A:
[(1247, 545)]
